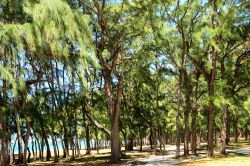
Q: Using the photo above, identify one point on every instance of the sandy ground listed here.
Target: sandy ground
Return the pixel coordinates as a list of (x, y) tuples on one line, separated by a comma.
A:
[(167, 160), (144, 158)]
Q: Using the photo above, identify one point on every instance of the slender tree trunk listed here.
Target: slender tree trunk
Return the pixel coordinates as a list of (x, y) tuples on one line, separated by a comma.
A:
[(77, 146), (160, 137), (235, 130), (88, 150), (177, 123), (215, 136), (42, 149), (141, 143), (57, 148), (224, 129), (12, 153), (66, 140), (97, 141), (130, 143), (228, 131), (151, 138), (246, 131), (29, 154), (177, 155), (39, 147), (63, 146), (211, 89), (194, 136), (87, 131), (26, 141), (48, 155), (186, 132), (3, 120), (32, 147), (53, 111), (154, 140), (54, 146), (210, 150), (19, 135)]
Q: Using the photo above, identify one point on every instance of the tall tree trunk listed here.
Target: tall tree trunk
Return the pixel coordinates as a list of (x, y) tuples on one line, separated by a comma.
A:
[(228, 131), (186, 132), (141, 143), (53, 111), (19, 135), (224, 129), (12, 153), (66, 140), (177, 134), (54, 146), (26, 141), (97, 141), (115, 141), (114, 109), (39, 147), (87, 131), (130, 143), (3, 120), (210, 143), (32, 148), (235, 130), (45, 137), (63, 146), (57, 148), (177, 123), (151, 138), (211, 87), (246, 131), (194, 136), (154, 140)]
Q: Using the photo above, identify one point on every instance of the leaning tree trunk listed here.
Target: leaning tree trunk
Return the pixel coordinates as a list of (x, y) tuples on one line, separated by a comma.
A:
[(224, 129)]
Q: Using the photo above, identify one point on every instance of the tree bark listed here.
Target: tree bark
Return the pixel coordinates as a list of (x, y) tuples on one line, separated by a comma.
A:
[(177, 155), (19, 135), (3, 120), (211, 87), (66, 140), (54, 146), (193, 134), (26, 141), (186, 132), (48, 154), (224, 129), (235, 130), (154, 140)]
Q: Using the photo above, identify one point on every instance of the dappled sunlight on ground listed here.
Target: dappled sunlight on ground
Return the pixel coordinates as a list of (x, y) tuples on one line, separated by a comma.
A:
[(237, 155)]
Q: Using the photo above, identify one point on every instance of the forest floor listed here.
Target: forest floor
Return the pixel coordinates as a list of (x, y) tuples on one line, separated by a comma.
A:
[(237, 154)]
